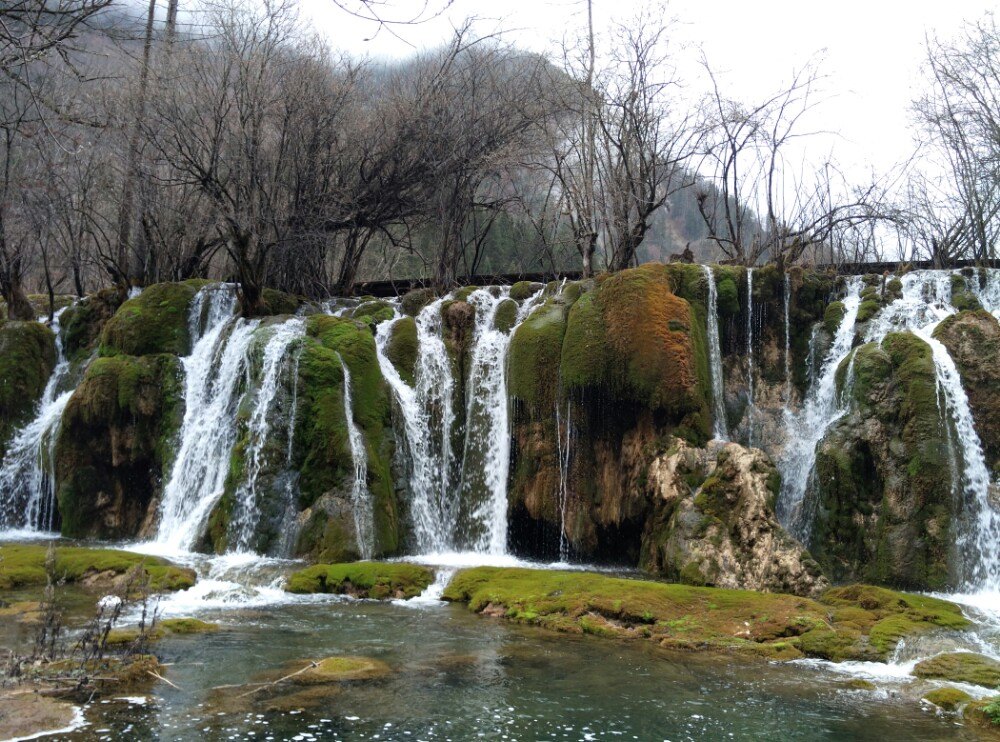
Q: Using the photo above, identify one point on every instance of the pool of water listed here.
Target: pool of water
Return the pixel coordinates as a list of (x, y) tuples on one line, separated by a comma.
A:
[(458, 676)]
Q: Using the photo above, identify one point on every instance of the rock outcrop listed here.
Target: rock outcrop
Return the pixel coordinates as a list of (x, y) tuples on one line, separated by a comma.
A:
[(27, 357), (883, 489)]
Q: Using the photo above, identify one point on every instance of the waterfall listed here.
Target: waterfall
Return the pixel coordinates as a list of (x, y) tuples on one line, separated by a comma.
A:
[(277, 361), (27, 473), (719, 428), (564, 449), (215, 373), (470, 513), (988, 292), (788, 342), (361, 499), (925, 302), (750, 400), (486, 453), (819, 411)]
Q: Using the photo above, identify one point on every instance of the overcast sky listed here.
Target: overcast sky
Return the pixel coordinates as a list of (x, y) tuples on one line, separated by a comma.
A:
[(872, 51)]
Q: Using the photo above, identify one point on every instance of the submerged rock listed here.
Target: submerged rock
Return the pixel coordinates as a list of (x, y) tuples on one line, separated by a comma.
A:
[(723, 532), (25, 715)]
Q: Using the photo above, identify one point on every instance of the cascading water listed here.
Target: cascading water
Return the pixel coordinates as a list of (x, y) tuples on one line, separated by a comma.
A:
[(361, 499), (988, 292), (807, 428), (924, 303), (427, 416), (486, 454), (277, 362), (564, 442), (215, 374), (719, 426), (27, 474), (788, 342), (750, 398), (473, 514)]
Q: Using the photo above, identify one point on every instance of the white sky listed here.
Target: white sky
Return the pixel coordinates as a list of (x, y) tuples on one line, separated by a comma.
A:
[(872, 51)]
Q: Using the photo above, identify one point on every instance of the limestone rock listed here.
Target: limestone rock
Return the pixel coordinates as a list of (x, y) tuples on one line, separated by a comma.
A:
[(723, 531)]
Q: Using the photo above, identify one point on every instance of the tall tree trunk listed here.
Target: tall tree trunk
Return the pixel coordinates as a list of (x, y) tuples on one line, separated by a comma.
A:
[(130, 182)]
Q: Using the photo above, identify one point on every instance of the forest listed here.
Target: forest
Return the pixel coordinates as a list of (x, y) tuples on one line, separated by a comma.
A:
[(225, 140)]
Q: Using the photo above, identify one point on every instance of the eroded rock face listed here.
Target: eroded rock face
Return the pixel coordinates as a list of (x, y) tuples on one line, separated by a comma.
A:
[(715, 523)]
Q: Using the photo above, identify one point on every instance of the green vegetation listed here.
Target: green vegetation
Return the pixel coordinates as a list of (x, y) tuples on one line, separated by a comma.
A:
[(363, 579), (833, 316), (83, 322), (947, 699), (156, 321), (961, 667), (416, 300), (856, 622), (27, 357), (403, 347), (23, 565), (534, 357), (115, 442)]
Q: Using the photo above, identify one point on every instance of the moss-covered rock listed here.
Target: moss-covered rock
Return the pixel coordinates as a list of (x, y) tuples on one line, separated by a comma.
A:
[(116, 443), (278, 302), (83, 322), (378, 580), (155, 321), (649, 353), (883, 476), (23, 565), (373, 311), (961, 667), (413, 301), (506, 315), (523, 290), (322, 453), (833, 316), (535, 352), (683, 616), (403, 348), (27, 358), (947, 699)]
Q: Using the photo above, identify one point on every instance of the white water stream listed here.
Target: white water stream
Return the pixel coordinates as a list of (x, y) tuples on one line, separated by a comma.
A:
[(27, 473), (807, 428), (719, 427), (361, 497)]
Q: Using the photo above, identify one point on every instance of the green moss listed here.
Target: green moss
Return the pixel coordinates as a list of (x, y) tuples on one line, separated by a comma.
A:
[(534, 357), (187, 626), (728, 294), (156, 321), (82, 323), (962, 297), (23, 565), (116, 442), (764, 624), (403, 347), (585, 354), (27, 358), (947, 699), (278, 302), (868, 309), (506, 315), (984, 713), (833, 316), (961, 667), (322, 453), (373, 312), (363, 579), (413, 301), (523, 290)]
